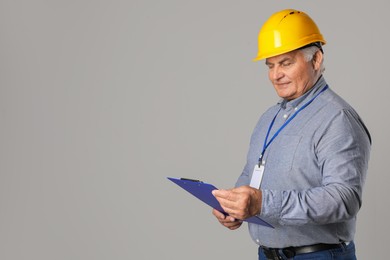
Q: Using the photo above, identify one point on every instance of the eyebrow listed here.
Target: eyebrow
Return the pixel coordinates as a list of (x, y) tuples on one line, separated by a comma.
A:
[(279, 62)]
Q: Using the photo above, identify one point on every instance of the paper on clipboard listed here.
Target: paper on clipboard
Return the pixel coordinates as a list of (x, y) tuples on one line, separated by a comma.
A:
[(203, 190)]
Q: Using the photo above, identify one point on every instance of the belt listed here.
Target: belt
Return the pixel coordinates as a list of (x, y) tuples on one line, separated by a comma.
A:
[(289, 252)]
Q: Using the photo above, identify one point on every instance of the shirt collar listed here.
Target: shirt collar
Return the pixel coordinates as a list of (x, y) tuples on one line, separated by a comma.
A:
[(288, 104)]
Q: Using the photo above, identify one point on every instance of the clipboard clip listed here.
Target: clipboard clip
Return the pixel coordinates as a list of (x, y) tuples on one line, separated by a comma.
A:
[(187, 179)]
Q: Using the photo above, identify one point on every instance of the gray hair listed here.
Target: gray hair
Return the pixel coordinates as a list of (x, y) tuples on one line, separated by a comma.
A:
[(309, 53)]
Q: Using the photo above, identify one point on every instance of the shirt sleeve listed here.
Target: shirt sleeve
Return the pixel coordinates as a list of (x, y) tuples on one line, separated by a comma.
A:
[(342, 152)]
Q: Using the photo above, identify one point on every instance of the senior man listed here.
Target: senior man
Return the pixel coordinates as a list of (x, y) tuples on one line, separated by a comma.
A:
[(308, 154)]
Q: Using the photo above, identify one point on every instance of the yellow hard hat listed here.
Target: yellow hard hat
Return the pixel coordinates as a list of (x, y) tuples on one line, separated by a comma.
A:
[(285, 31)]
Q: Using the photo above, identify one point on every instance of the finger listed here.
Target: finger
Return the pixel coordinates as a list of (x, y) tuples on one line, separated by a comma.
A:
[(231, 224), (223, 217), (220, 193), (234, 211), (230, 206), (219, 215), (234, 225), (227, 198)]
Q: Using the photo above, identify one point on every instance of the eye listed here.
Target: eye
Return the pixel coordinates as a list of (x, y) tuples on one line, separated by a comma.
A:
[(286, 63)]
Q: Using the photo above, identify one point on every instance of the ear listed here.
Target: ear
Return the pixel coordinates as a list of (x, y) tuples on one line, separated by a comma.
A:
[(317, 60)]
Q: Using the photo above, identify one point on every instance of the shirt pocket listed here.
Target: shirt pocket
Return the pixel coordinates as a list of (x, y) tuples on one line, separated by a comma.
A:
[(284, 152)]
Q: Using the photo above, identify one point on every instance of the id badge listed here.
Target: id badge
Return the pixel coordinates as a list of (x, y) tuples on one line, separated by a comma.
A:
[(257, 176)]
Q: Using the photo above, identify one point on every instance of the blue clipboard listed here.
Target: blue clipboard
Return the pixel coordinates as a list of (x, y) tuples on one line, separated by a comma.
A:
[(203, 190)]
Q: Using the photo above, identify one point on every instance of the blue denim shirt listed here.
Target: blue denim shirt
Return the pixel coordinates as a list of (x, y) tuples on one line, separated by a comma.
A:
[(314, 173)]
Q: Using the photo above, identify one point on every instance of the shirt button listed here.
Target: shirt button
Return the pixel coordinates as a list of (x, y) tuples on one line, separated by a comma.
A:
[(285, 116), (257, 241), (296, 108)]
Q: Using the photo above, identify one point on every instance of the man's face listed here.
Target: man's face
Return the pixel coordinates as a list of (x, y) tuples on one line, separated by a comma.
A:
[(291, 74)]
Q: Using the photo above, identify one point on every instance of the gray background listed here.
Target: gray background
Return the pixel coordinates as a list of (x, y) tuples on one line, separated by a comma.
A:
[(100, 101)]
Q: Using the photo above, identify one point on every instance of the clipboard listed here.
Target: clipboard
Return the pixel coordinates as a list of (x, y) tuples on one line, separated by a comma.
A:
[(203, 190)]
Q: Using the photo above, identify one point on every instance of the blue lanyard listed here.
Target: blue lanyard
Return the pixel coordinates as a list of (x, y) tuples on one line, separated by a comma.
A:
[(265, 146)]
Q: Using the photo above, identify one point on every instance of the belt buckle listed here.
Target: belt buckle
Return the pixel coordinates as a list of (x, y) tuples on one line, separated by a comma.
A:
[(272, 253), (289, 252)]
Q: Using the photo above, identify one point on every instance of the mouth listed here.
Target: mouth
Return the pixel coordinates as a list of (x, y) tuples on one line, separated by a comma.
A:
[(282, 85)]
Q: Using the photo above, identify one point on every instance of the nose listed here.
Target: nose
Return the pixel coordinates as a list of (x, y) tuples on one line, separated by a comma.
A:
[(275, 73)]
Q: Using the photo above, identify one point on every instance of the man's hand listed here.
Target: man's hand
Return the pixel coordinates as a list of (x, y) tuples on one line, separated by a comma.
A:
[(240, 203), (228, 221)]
